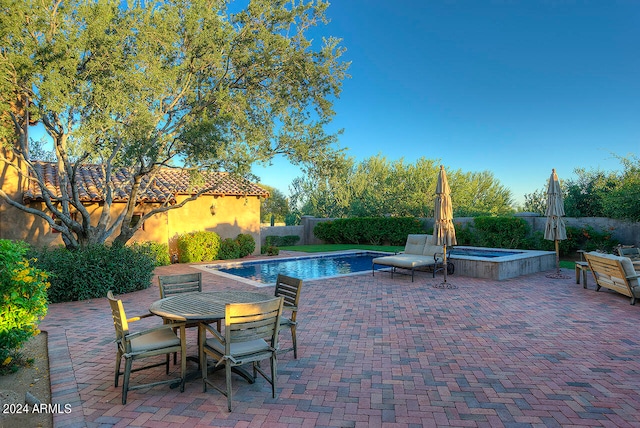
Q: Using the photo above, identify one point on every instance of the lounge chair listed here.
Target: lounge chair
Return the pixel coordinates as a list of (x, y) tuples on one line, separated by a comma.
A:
[(615, 273), (419, 252)]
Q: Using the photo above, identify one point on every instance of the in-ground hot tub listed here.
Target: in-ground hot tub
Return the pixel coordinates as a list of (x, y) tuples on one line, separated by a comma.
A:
[(499, 264)]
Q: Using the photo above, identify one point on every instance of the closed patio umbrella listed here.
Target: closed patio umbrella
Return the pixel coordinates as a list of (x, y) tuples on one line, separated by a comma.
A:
[(444, 232), (555, 229)]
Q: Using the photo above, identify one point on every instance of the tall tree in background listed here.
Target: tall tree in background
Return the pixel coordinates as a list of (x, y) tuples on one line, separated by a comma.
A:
[(378, 187), (276, 206), (597, 193), (206, 85)]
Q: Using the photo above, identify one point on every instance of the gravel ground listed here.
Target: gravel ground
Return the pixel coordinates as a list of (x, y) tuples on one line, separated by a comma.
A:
[(25, 396)]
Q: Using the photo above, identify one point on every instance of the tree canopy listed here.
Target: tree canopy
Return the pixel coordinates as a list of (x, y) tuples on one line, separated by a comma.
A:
[(197, 84), (380, 187), (597, 193)]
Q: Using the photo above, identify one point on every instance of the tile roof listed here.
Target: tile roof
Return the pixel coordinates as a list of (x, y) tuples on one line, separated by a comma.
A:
[(166, 185)]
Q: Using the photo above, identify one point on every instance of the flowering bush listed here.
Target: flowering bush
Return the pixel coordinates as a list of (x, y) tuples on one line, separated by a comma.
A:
[(23, 299)]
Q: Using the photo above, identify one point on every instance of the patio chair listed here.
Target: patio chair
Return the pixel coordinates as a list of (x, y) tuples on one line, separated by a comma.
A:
[(615, 273), (250, 336), (176, 284), (631, 252), (143, 344), (289, 289)]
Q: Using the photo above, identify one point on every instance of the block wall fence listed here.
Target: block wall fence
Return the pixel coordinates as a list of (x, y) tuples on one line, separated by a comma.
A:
[(626, 232)]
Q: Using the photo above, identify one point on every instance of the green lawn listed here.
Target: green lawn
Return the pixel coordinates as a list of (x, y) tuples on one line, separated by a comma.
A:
[(393, 249), (342, 247)]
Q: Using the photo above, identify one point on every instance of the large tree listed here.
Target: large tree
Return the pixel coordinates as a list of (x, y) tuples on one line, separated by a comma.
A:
[(380, 187), (199, 84)]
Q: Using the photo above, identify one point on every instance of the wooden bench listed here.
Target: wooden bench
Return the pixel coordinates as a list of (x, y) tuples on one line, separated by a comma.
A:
[(615, 273)]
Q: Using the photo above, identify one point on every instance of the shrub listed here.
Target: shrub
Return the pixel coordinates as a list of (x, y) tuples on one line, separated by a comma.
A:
[(368, 230), (500, 232), (246, 244), (229, 249), (281, 241), (198, 247), (23, 289), (588, 239), (157, 251), (272, 250), (90, 272)]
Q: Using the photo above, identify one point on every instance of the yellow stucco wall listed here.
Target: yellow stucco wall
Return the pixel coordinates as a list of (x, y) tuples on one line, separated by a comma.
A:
[(232, 216)]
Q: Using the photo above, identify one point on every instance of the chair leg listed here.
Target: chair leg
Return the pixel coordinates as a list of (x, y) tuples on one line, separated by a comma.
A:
[(175, 354), (183, 358), (227, 369), (202, 360), (118, 360), (127, 375), (274, 373), (295, 341)]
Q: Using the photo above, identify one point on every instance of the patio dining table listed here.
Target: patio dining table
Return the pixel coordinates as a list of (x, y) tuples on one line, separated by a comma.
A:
[(205, 306)]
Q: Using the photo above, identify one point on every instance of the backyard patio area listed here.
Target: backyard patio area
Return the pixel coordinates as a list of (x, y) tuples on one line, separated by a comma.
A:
[(383, 352)]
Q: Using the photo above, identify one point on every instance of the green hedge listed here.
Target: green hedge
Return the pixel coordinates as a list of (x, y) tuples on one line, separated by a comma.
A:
[(513, 232), (157, 251), (229, 249), (91, 272), (281, 241), (246, 244), (368, 230), (23, 294), (198, 247)]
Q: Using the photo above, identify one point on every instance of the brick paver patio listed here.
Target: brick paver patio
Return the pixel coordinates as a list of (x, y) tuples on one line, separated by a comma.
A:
[(382, 352)]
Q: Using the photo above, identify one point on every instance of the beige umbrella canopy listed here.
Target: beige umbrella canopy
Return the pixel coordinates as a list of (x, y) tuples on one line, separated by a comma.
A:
[(443, 231), (555, 229)]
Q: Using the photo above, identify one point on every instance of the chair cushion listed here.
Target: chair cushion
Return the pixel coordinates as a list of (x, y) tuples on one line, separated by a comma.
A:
[(407, 261), (151, 341), (430, 250), (415, 244), (239, 349), (629, 270)]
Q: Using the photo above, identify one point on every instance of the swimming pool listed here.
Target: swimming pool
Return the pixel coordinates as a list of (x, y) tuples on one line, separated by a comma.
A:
[(487, 253), (307, 267), (476, 262)]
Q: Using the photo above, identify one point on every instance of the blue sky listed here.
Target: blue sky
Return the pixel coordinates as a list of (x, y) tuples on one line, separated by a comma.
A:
[(513, 87)]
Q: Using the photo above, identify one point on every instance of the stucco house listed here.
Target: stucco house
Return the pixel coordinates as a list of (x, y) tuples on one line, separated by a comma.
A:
[(231, 208)]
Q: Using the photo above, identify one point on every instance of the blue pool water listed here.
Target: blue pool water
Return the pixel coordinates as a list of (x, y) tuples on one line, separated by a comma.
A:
[(303, 268), (486, 253)]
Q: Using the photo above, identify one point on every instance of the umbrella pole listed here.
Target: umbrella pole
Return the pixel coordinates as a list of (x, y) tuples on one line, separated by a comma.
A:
[(444, 261), (444, 284), (557, 274)]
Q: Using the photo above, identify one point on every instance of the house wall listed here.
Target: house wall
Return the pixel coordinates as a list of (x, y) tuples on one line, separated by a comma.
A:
[(232, 216)]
